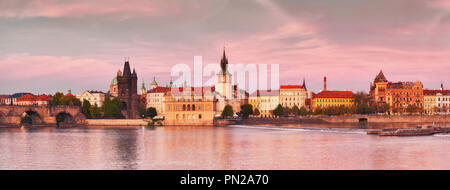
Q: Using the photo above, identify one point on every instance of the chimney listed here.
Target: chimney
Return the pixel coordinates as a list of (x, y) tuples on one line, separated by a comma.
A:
[(442, 86), (324, 83)]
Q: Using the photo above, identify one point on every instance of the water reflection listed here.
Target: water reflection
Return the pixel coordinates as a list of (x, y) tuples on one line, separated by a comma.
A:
[(237, 147)]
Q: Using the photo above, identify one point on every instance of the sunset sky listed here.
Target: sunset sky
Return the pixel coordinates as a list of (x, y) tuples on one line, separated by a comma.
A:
[(50, 46)]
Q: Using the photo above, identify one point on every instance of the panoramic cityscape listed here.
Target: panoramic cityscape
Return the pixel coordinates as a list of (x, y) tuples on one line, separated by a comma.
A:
[(224, 85)]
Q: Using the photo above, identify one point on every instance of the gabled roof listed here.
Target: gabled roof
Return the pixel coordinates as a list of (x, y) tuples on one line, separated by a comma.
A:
[(333, 94), (158, 89), (26, 97), (380, 77), (43, 98)]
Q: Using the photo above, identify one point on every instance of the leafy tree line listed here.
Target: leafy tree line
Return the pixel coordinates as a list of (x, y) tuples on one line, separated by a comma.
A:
[(59, 99)]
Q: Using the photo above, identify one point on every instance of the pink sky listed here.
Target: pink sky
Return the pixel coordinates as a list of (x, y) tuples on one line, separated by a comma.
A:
[(49, 46)]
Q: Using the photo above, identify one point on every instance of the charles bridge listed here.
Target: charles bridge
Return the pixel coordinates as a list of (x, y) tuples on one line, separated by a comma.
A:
[(12, 114)]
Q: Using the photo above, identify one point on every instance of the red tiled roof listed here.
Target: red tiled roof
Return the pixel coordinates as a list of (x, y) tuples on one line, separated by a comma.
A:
[(434, 92), (333, 94), (26, 97), (195, 90), (43, 98), (290, 86), (159, 89)]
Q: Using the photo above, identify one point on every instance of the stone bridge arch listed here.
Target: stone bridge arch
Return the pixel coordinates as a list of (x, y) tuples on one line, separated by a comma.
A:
[(36, 118), (2, 117)]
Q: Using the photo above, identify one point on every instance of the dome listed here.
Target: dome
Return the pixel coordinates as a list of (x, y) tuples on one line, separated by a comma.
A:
[(114, 81), (154, 82)]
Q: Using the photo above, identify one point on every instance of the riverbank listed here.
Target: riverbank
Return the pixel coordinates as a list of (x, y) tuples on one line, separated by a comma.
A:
[(350, 119)]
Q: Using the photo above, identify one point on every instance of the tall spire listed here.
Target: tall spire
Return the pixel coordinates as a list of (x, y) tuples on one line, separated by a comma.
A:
[(304, 84), (224, 62), (126, 68)]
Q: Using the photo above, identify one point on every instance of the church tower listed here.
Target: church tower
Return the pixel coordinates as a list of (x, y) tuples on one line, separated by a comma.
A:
[(127, 90), (154, 83), (223, 86), (143, 90)]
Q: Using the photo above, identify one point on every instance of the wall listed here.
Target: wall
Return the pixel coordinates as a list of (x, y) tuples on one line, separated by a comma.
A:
[(117, 122)]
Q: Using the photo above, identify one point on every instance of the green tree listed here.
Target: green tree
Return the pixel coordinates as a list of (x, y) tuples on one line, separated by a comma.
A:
[(95, 112), (151, 112), (278, 111), (56, 99), (256, 112), (142, 112), (303, 111), (295, 110), (246, 110), (112, 108), (85, 109), (227, 111)]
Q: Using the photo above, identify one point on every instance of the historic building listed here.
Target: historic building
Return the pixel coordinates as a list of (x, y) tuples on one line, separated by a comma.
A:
[(127, 90), (113, 87), (293, 95), (399, 95), (94, 97), (265, 101), (31, 100), (331, 98), (189, 106), (436, 101), (328, 98), (155, 99), (12, 100), (3, 99), (226, 92)]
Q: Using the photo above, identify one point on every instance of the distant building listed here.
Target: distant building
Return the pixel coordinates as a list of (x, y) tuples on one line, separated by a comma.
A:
[(12, 100), (328, 98), (127, 90), (399, 95), (226, 92), (265, 101), (31, 100), (3, 99), (436, 101), (94, 97), (155, 99), (331, 98), (293, 95), (114, 87), (189, 106)]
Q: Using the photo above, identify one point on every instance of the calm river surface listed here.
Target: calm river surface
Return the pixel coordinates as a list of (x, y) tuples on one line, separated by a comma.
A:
[(234, 147)]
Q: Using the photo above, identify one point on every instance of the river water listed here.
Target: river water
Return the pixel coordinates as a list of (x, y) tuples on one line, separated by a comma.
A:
[(233, 147)]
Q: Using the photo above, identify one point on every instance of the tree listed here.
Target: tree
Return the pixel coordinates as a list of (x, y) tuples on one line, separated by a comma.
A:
[(278, 111), (151, 112), (227, 111), (303, 111), (85, 109), (112, 108), (56, 99), (142, 112), (411, 109), (246, 110), (95, 112), (256, 112), (295, 110)]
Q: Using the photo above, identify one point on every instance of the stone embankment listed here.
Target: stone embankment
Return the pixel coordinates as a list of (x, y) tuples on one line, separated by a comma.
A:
[(117, 122), (351, 119)]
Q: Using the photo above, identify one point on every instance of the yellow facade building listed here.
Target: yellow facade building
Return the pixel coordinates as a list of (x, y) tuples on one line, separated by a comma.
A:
[(265, 101), (189, 106), (327, 98), (293, 95)]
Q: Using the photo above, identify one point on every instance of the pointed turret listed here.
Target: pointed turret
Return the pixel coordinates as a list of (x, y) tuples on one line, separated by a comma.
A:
[(134, 73), (380, 77), (126, 69), (224, 62), (154, 83), (304, 84)]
